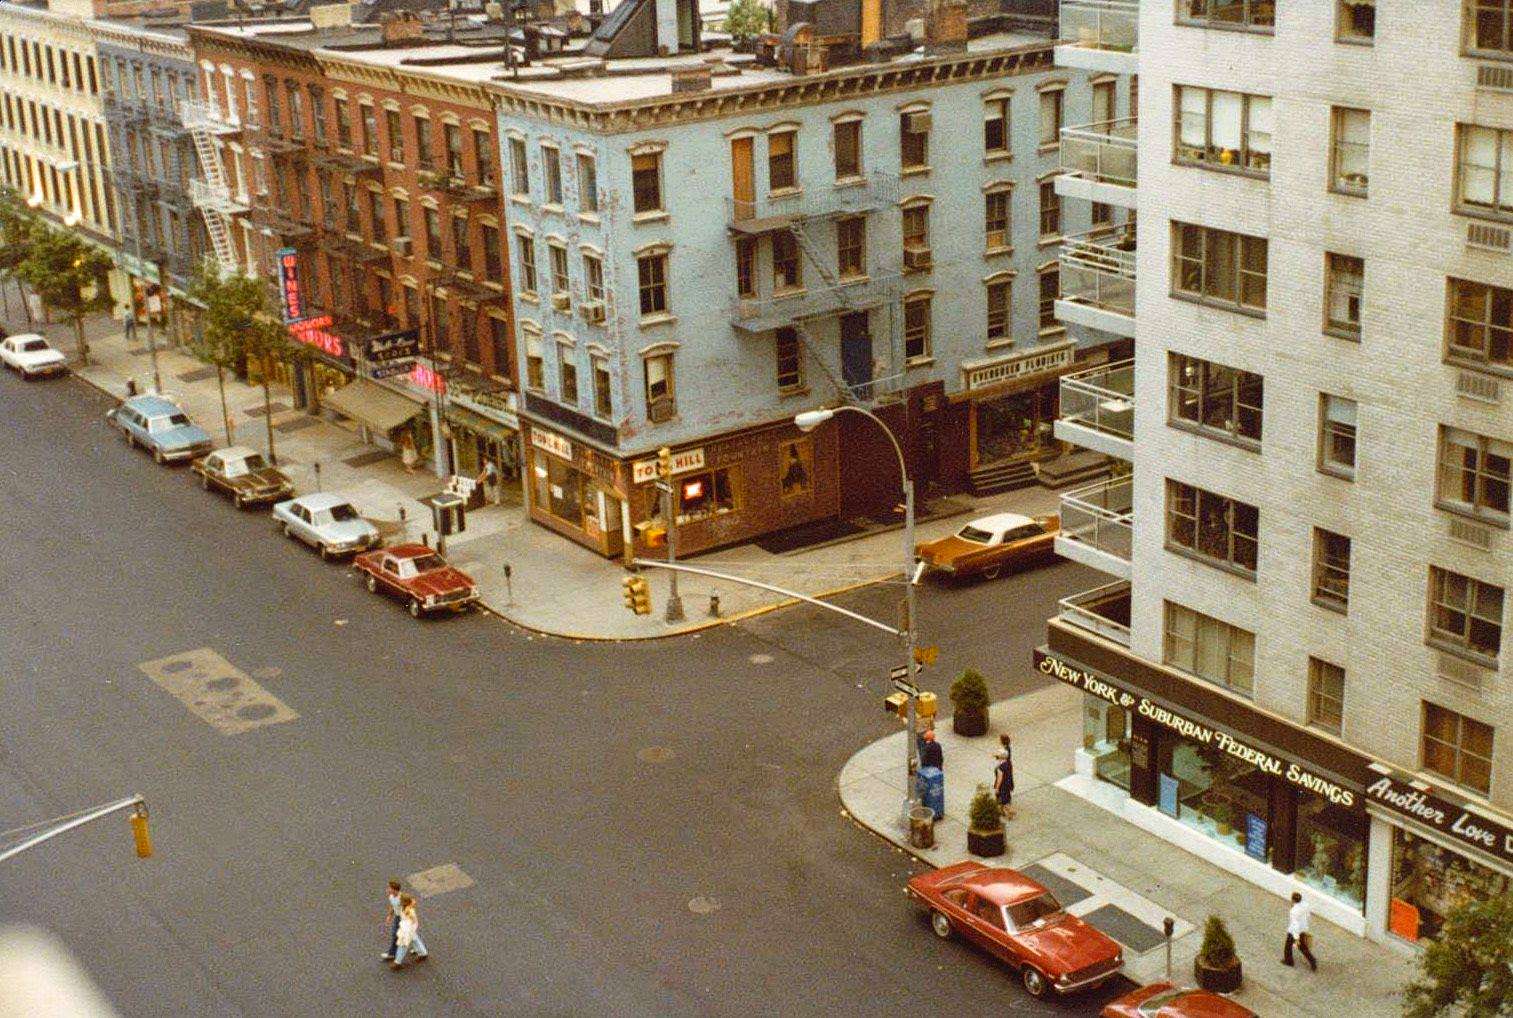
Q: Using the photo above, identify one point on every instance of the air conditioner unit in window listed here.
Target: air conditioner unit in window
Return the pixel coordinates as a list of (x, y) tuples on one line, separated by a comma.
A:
[(593, 311), (917, 256), (562, 301), (1485, 237), (662, 409), (1494, 78)]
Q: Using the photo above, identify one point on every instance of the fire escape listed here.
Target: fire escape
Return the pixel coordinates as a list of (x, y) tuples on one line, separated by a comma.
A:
[(211, 192)]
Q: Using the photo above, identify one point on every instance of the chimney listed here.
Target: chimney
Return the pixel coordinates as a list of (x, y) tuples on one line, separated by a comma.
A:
[(401, 26), (946, 26), (331, 15), (692, 79)]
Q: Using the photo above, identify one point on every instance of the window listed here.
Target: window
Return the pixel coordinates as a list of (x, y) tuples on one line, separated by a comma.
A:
[(848, 149), (377, 226), (786, 273), (1103, 102), (1214, 399), (999, 323), (1344, 278), (1210, 649), (1050, 211), (551, 161), (588, 184), (318, 111), (525, 257), (499, 340), (914, 140), (916, 227), (646, 181), (1480, 328), (651, 276), (433, 234), (1219, 267), (1355, 20), (1484, 183), (851, 247), (349, 199), (535, 371), (1337, 436), (424, 144), (703, 495), (995, 127), (483, 152), (593, 276), (270, 91), (600, 368), (493, 258), (520, 171), (1331, 570), (1259, 15), (468, 330), (1050, 117), (1102, 216), (1350, 150), (396, 136), (1225, 130), (1474, 475), (451, 136), (1050, 292), (790, 360), (1488, 26), (659, 382), (1216, 529), (567, 374), (558, 255), (1465, 615), (343, 123), (996, 219), (369, 130), (917, 328), (462, 254), (1326, 695), (402, 217), (782, 174), (1458, 747)]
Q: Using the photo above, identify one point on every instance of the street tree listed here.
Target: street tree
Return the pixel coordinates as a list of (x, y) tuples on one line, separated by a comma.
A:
[(68, 276), (746, 19), (239, 326), (18, 224), (1468, 969)]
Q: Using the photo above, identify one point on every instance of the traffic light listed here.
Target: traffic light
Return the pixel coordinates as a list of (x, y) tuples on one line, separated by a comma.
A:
[(637, 594), (140, 833), (664, 463)]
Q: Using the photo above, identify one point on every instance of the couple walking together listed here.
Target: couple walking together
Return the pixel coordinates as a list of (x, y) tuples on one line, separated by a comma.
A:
[(403, 923)]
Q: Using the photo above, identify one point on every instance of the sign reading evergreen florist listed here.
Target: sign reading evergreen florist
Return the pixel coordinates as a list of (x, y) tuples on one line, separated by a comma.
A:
[(1264, 761)]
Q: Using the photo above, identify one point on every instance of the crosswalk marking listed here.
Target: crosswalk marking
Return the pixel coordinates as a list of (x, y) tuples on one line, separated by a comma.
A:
[(216, 691)]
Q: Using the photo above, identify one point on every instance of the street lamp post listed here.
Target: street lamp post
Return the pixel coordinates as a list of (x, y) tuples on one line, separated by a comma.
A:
[(808, 421)]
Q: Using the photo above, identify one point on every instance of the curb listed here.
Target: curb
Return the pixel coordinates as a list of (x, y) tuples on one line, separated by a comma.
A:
[(862, 825)]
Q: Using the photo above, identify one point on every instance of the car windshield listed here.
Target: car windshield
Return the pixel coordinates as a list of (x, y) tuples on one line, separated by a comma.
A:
[(167, 423), (34, 344), (342, 513), (1026, 913), (1160, 1000), (975, 534), (255, 461), (429, 563)]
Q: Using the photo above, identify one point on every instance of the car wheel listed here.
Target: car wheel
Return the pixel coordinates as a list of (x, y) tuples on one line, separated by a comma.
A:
[(238, 501), (325, 553), (372, 583), (283, 528), (204, 482), (414, 608), (157, 455), (1034, 982), (941, 925), (992, 572)]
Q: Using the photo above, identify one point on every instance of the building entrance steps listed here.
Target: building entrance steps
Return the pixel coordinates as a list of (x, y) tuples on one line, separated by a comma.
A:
[(1114, 875)]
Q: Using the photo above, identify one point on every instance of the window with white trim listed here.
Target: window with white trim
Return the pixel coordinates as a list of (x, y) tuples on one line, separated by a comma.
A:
[(1337, 424), (782, 156), (659, 384), (646, 181), (1051, 106), (848, 149), (995, 127), (1210, 649), (535, 366), (602, 402), (1344, 281), (1000, 318), (567, 374), (790, 359), (520, 171), (917, 327), (1223, 130), (914, 140), (651, 280), (1484, 177), (997, 221), (588, 183), (1457, 747), (551, 163), (557, 252), (1219, 267), (1479, 325), (1331, 570), (1349, 150), (1465, 614), (525, 257), (851, 247)]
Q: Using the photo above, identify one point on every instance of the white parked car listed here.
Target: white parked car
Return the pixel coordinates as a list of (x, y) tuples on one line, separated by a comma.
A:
[(30, 356), (327, 522)]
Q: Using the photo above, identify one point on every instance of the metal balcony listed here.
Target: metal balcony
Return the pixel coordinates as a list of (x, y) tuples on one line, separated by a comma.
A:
[(1098, 281), (1103, 611), (1100, 35), (1098, 409), (1097, 526), (201, 115), (216, 199), (868, 193), (763, 314), (1098, 162)]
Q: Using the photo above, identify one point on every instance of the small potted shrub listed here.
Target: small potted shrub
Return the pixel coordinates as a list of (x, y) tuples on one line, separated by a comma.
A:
[(1216, 967), (985, 824), (969, 696)]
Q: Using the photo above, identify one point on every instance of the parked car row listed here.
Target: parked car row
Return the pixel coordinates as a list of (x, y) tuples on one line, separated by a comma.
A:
[(326, 522), (31, 356)]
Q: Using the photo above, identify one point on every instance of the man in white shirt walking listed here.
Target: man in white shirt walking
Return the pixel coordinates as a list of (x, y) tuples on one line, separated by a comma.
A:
[(1297, 932)]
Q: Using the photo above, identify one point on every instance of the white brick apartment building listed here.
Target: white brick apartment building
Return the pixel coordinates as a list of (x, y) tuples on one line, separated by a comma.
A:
[(1307, 677)]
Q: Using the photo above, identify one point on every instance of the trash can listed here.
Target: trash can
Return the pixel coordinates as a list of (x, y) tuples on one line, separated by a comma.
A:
[(922, 827), (931, 785)]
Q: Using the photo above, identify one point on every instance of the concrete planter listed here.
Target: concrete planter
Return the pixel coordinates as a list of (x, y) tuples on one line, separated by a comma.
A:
[(986, 843), (970, 723), (1216, 979)]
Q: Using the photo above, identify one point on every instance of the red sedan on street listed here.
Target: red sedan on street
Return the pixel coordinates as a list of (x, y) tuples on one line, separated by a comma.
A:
[(1016, 919), (1163, 1000), (416, 573)]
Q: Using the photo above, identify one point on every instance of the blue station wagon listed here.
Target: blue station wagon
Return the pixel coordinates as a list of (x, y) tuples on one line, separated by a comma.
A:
[(161, 427)]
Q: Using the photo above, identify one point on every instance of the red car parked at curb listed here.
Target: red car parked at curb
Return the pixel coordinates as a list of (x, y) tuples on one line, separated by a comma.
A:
[(1164, 1000), (1016, 919), (416, 573)]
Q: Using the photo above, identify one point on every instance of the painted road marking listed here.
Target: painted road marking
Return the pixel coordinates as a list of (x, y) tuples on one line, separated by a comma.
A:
[(217, 691), (439, 880)]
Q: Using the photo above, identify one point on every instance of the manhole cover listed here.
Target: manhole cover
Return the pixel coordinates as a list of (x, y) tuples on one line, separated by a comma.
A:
[(703, 905), (761, 659), (654, 754)]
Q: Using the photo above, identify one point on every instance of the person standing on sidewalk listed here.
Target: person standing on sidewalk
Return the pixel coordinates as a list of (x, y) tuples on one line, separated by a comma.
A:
[(391, 919), (1003, 777), (930, 753), (407, 934), (1297, 932)]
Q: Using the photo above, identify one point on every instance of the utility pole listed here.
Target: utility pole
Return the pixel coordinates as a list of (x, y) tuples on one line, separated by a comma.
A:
[(670, 515)]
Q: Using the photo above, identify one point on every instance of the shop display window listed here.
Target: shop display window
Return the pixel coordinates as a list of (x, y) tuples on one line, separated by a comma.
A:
[(1429, 882), (1331, 849), (1216, 794), (1106, 736), (705, 494), (559, 489)]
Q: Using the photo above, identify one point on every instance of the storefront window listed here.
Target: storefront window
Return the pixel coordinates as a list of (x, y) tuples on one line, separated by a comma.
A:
[(1331, 849), (706, 494), (1216, 794), (1014, 426), (1106, 735), (558, 489), (1428, 882)]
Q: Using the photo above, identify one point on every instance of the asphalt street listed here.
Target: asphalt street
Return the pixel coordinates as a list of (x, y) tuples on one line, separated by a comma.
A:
[(649, 828)]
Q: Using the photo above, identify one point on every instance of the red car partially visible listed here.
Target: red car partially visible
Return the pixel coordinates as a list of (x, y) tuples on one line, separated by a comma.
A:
[(1016, 919), (1164, 1000), (418, 574)]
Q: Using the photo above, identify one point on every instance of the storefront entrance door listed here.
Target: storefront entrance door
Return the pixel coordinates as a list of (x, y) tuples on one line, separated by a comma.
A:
[(856, 353)]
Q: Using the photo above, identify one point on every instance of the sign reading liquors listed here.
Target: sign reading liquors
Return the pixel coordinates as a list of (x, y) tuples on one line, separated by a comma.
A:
[(1263, 761), (1443, 816)]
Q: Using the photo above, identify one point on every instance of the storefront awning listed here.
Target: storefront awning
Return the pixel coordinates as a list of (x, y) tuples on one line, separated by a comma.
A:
[(372, 405), (465, 418)]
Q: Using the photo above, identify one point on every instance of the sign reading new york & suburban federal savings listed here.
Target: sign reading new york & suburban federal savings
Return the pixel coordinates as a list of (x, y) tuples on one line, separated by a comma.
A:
[(393, 346)]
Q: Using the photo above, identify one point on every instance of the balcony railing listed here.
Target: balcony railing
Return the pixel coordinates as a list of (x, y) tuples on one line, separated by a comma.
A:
[(762, 314), (202, 115), (867, 193), (1099, 270), (1103, 610), (1101, 24), (1104, 152), (1101, 516), (217, 199), (1101, 398)]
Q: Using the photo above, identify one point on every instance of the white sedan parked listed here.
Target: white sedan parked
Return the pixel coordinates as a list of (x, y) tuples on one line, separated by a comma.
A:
[(30, 356), (326, 522)]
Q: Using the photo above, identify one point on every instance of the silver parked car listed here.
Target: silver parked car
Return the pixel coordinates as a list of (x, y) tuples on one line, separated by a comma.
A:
[(327, 522)]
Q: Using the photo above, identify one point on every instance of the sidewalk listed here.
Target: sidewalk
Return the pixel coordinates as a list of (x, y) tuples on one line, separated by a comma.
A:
[(1129, 878), (555, 586)]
